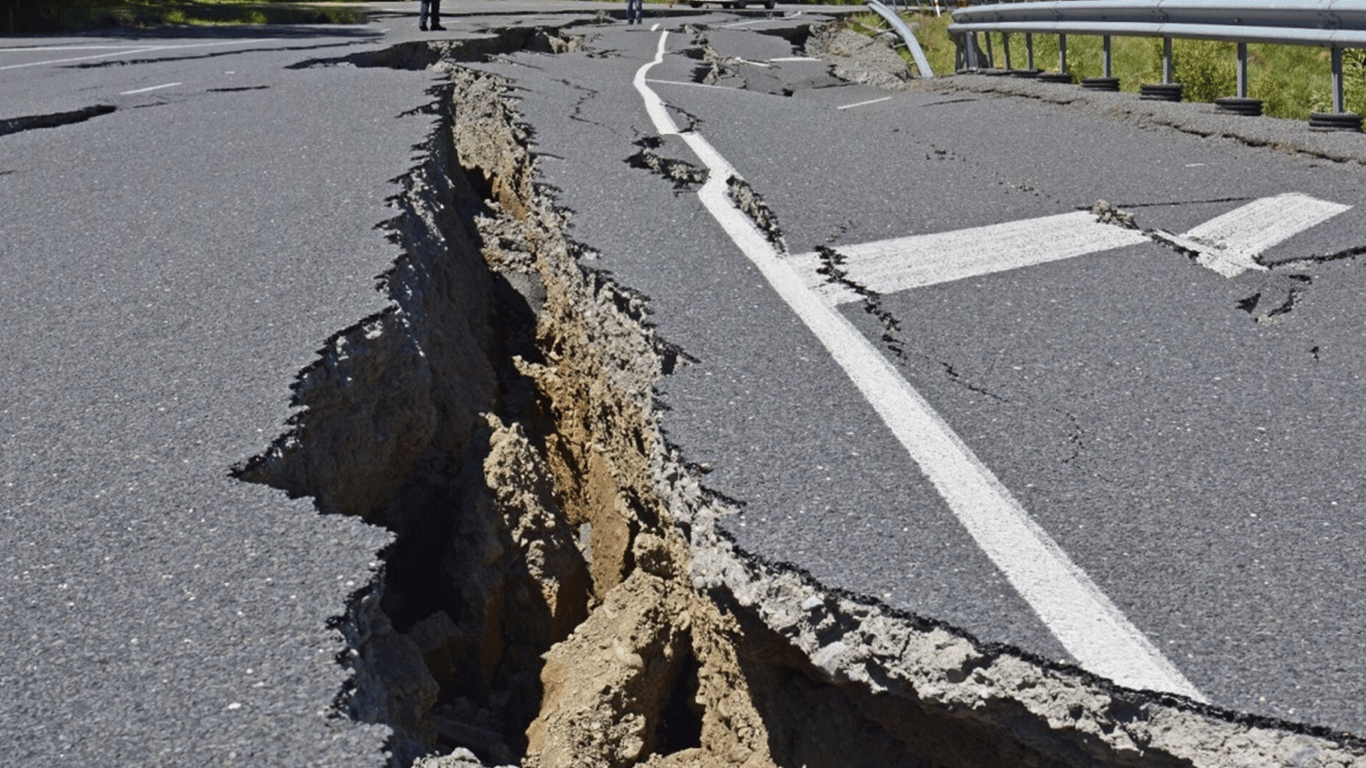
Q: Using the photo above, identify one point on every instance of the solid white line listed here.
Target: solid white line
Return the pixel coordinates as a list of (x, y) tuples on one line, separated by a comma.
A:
[(22, 49), (902, 263), (151, 88), (1088, 625), (865, 103), (692, 85), (119, 52), (125, 50)]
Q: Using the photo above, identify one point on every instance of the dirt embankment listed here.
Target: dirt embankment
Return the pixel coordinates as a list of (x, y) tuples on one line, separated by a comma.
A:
[(557, 594)]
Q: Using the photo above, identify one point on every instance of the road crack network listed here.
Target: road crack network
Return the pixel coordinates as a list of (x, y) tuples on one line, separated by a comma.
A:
[(559, 592)]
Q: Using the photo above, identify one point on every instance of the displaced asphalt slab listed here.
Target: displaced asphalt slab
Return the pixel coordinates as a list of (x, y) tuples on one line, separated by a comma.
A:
[(1128, 395), (171, 265)]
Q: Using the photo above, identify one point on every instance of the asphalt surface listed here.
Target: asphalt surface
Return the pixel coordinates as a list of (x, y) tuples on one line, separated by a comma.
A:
[(1199, 465), (168, 268), (170, 265)]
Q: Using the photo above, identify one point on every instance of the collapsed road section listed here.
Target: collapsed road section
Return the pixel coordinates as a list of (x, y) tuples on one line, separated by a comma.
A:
[(558, 593)]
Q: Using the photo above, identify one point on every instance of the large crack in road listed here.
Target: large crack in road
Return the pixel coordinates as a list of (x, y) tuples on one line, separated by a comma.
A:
[(558, 592)]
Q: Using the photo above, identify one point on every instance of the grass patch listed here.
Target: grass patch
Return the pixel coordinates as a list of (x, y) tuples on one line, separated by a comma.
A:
[(1292, 80), (30, 16)]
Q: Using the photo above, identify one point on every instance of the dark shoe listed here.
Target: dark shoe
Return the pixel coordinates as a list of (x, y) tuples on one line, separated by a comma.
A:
[(422, 27), (438, 28)]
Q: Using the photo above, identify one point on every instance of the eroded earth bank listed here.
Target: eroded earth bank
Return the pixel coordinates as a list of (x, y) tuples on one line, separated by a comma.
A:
[(558, 594)]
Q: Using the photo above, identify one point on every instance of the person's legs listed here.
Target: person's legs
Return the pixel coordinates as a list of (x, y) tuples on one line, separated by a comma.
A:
[(432, 8)]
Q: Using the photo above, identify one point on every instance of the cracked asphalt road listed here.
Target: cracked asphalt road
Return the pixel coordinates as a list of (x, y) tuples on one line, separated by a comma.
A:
[(1192, 443), (1191, 440)]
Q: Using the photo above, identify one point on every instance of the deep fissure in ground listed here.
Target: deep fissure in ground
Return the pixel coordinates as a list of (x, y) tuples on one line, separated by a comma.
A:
[(557, 593)]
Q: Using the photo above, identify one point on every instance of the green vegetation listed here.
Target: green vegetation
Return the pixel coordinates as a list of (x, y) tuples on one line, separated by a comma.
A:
[(1292, 80), (20, 16)]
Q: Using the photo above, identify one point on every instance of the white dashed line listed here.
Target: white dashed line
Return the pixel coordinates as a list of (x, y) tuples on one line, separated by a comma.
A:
[(150, 88), (865, 103)]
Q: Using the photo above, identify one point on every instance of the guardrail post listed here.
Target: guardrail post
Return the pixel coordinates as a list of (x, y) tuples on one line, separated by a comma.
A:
[(1166, 90), (1106, 82), (1062, 75), (1339, 119), (1242, 70), (1005, 48), (1029, 51), (1339, 104), (1241, 104)]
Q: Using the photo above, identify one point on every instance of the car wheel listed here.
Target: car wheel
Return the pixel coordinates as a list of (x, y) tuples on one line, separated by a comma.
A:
[(769, 4)]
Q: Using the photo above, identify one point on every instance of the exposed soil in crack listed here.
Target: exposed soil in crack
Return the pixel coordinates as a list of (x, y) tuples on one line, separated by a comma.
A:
[(683, 174), (753, 206), (558, 593)]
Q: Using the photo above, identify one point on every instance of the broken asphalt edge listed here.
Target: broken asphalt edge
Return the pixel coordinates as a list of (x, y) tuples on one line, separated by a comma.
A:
[(887, 670)]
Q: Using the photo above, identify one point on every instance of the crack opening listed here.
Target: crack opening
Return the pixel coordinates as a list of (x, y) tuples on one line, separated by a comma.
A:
[(752, 205), (558, 592), (681, 173), (54, 120)]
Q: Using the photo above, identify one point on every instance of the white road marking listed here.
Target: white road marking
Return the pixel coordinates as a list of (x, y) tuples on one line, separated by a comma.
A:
[(912, 262), (1231, 244), (1087, 624), (150, 88), (865, 103), (693, 85), (796, 58), (126, 50), (26, 49), (120, 52)]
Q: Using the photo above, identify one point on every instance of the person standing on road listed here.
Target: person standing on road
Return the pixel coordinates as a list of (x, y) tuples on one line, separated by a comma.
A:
[(435, 7), (634, 10)]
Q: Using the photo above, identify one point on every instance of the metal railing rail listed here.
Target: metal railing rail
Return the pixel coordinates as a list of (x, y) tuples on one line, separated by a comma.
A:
[(921, 63), (1334, 24)]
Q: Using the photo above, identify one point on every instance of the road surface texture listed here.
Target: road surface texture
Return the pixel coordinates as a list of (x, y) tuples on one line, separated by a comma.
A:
[(555, 391)]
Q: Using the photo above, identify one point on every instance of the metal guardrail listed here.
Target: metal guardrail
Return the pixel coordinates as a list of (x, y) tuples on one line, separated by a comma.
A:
[(1334, 24), (921, 63)]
